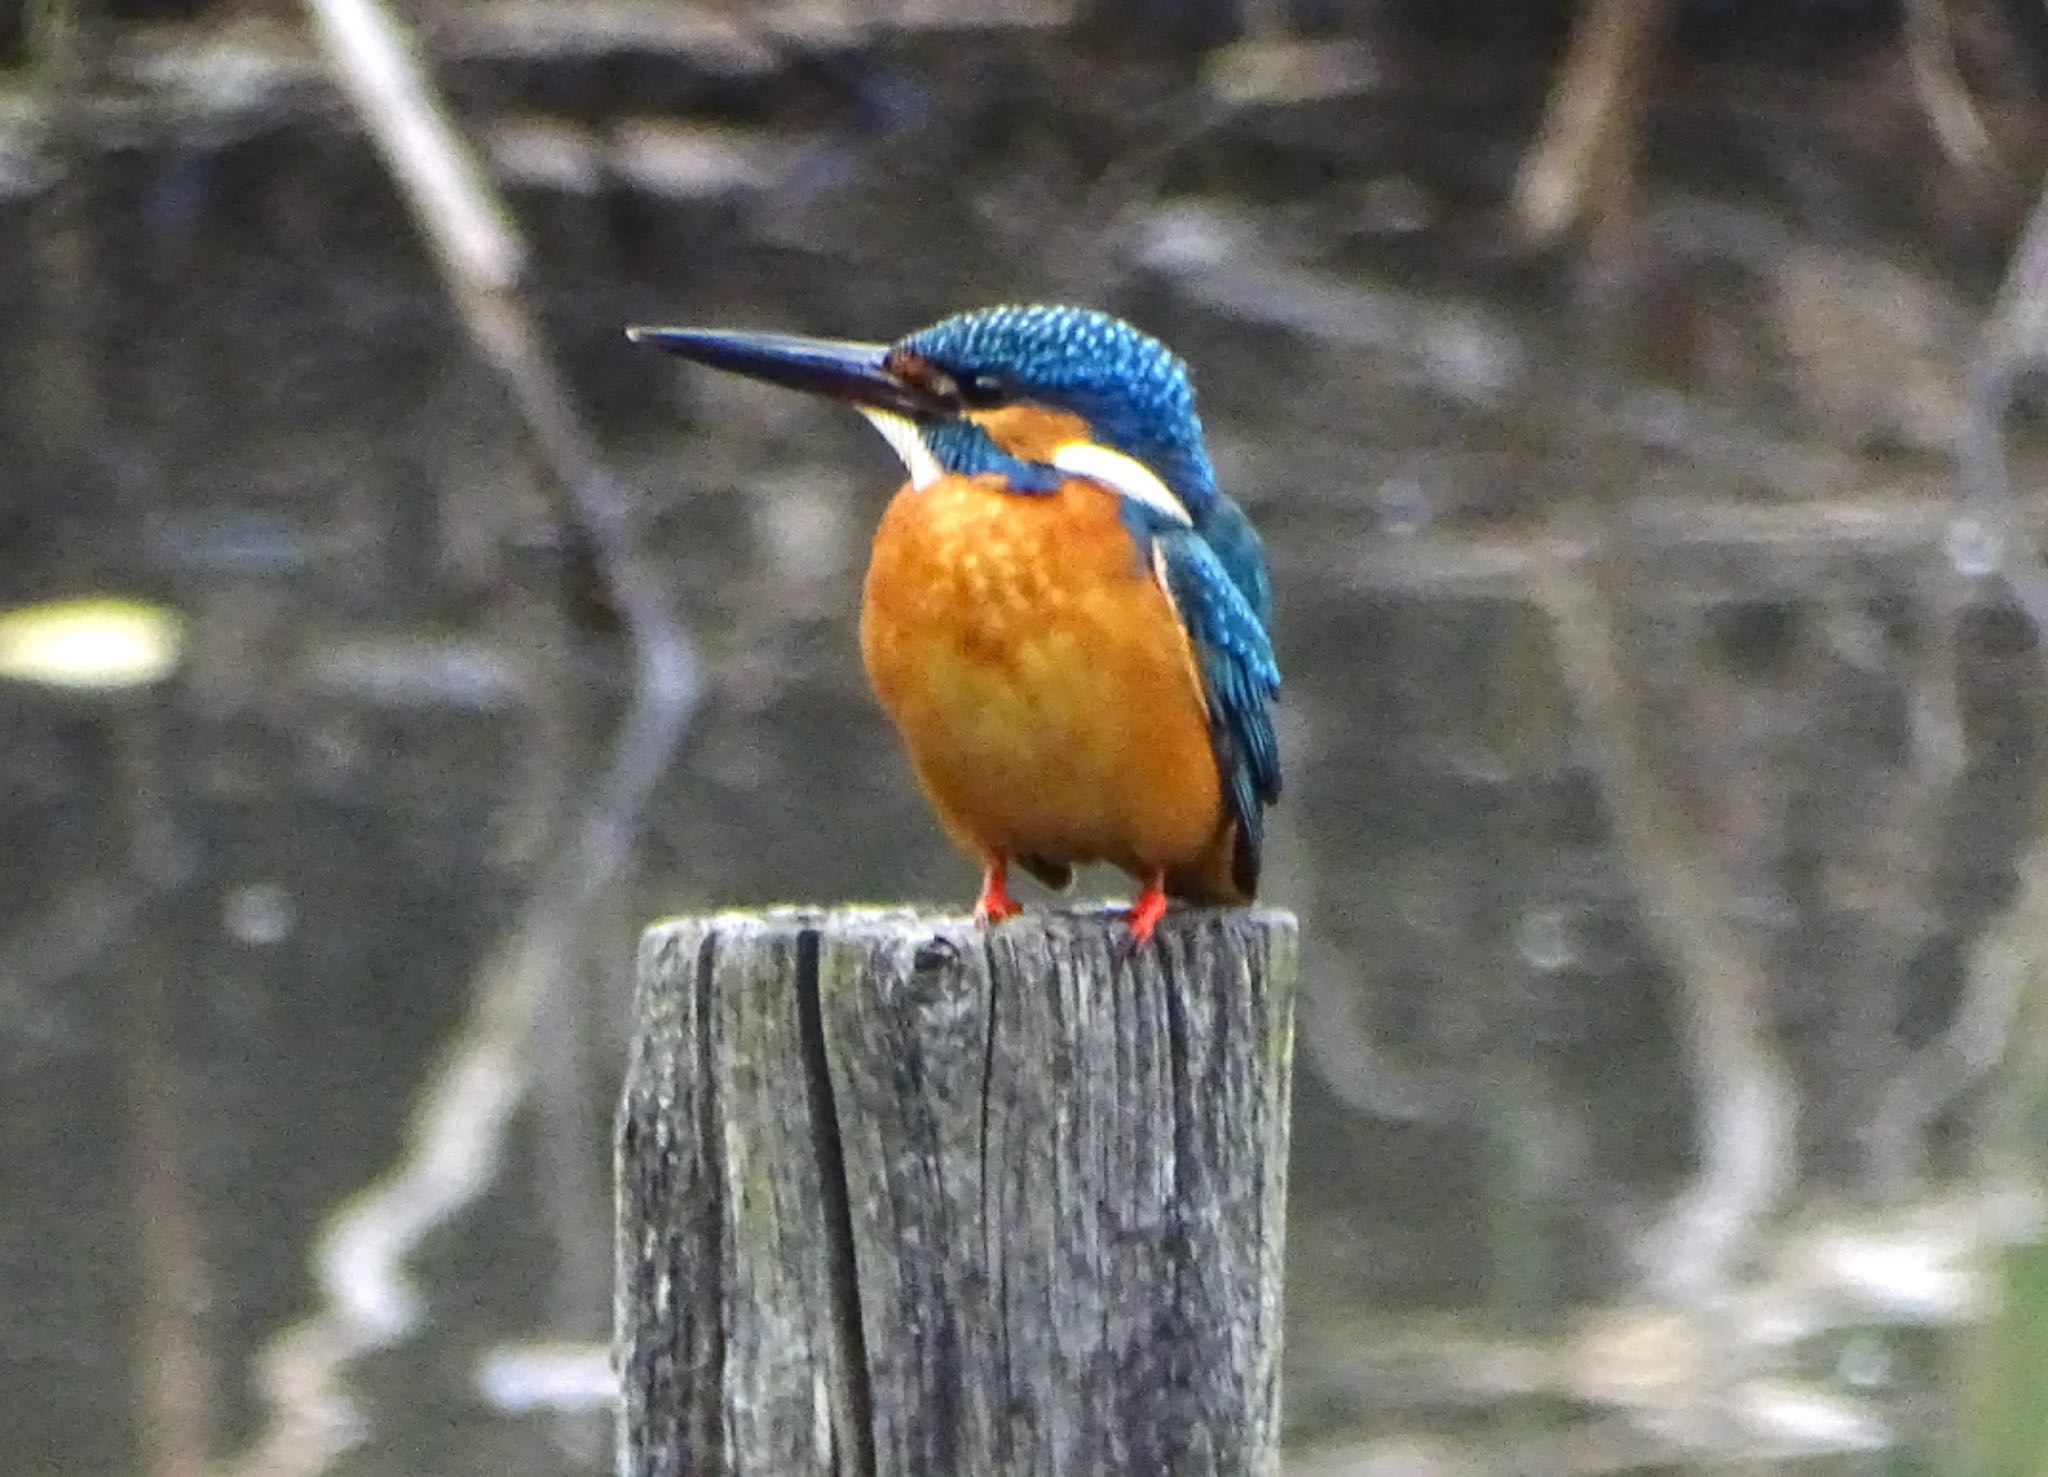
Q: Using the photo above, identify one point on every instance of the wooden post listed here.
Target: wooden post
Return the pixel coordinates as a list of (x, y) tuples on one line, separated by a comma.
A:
[(901, 1198)]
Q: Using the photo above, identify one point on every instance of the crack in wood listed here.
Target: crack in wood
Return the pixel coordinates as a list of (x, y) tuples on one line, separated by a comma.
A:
[(711, 1156), (843, 1257)]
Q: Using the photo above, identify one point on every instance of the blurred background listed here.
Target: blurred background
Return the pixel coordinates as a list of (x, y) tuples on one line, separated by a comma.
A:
[(1634, 395)]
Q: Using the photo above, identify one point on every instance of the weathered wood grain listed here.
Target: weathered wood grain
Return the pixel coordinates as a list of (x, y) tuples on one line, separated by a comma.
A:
[(898, 1198)]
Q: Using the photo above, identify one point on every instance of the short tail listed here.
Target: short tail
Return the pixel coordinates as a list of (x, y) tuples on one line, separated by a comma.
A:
[(1216, 877)]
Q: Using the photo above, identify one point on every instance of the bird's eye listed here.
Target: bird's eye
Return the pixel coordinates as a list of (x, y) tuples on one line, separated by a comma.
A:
[(984, 389)]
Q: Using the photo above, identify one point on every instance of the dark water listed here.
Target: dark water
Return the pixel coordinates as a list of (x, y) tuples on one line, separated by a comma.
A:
[(246, 921)]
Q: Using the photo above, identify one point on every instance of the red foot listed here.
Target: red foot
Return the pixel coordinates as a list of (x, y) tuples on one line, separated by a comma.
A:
[(995, 903), (1147, 910)]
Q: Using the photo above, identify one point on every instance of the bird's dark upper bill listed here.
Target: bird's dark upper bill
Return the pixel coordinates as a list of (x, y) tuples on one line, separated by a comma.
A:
[(845, 371)]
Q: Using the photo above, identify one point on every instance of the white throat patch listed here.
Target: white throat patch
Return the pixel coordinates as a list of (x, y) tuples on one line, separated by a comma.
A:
[(1124, 474), (907, 442)]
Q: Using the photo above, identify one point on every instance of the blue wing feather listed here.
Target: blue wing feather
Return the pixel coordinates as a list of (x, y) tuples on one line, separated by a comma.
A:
[(1225, 528), (1240, 679)]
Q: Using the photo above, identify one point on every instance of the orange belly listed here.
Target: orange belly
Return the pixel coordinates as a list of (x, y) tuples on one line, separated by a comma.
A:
[(1040, 679)]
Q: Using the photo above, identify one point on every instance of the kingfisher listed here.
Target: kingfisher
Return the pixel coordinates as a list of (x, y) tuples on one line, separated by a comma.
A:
[(1063, 615)]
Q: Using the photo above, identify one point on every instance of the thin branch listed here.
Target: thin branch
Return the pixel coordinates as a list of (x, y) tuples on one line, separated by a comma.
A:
[(1931, 54), (1357, 1069), (377, 65), (1993, 530), (1746, 1103), (2003, 966), (457, 1137), (1993, 534), (1581, 164), (1907, 855)]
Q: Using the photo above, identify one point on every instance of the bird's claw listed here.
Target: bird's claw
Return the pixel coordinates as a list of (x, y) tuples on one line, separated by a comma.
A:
[(995, 903), (1144, 917)]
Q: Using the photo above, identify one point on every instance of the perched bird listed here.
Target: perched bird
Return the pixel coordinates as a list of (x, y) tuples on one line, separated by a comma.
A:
[(1063, 615)]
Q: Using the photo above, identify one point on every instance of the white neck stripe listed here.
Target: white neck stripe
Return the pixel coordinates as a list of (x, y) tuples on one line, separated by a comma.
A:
[(1123, 474)]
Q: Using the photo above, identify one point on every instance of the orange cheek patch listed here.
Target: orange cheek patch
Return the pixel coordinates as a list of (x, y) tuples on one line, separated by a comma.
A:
[(1031, 433)]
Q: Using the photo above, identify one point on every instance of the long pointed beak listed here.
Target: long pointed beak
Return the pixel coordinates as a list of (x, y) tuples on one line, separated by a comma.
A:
[(841, 370)]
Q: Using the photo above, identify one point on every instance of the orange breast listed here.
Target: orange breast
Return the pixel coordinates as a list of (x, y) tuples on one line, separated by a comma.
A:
[(1039, 677)]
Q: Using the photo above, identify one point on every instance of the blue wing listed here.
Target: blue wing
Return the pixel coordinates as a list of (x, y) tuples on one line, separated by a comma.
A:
[(1240, 679), (1226, 529)]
